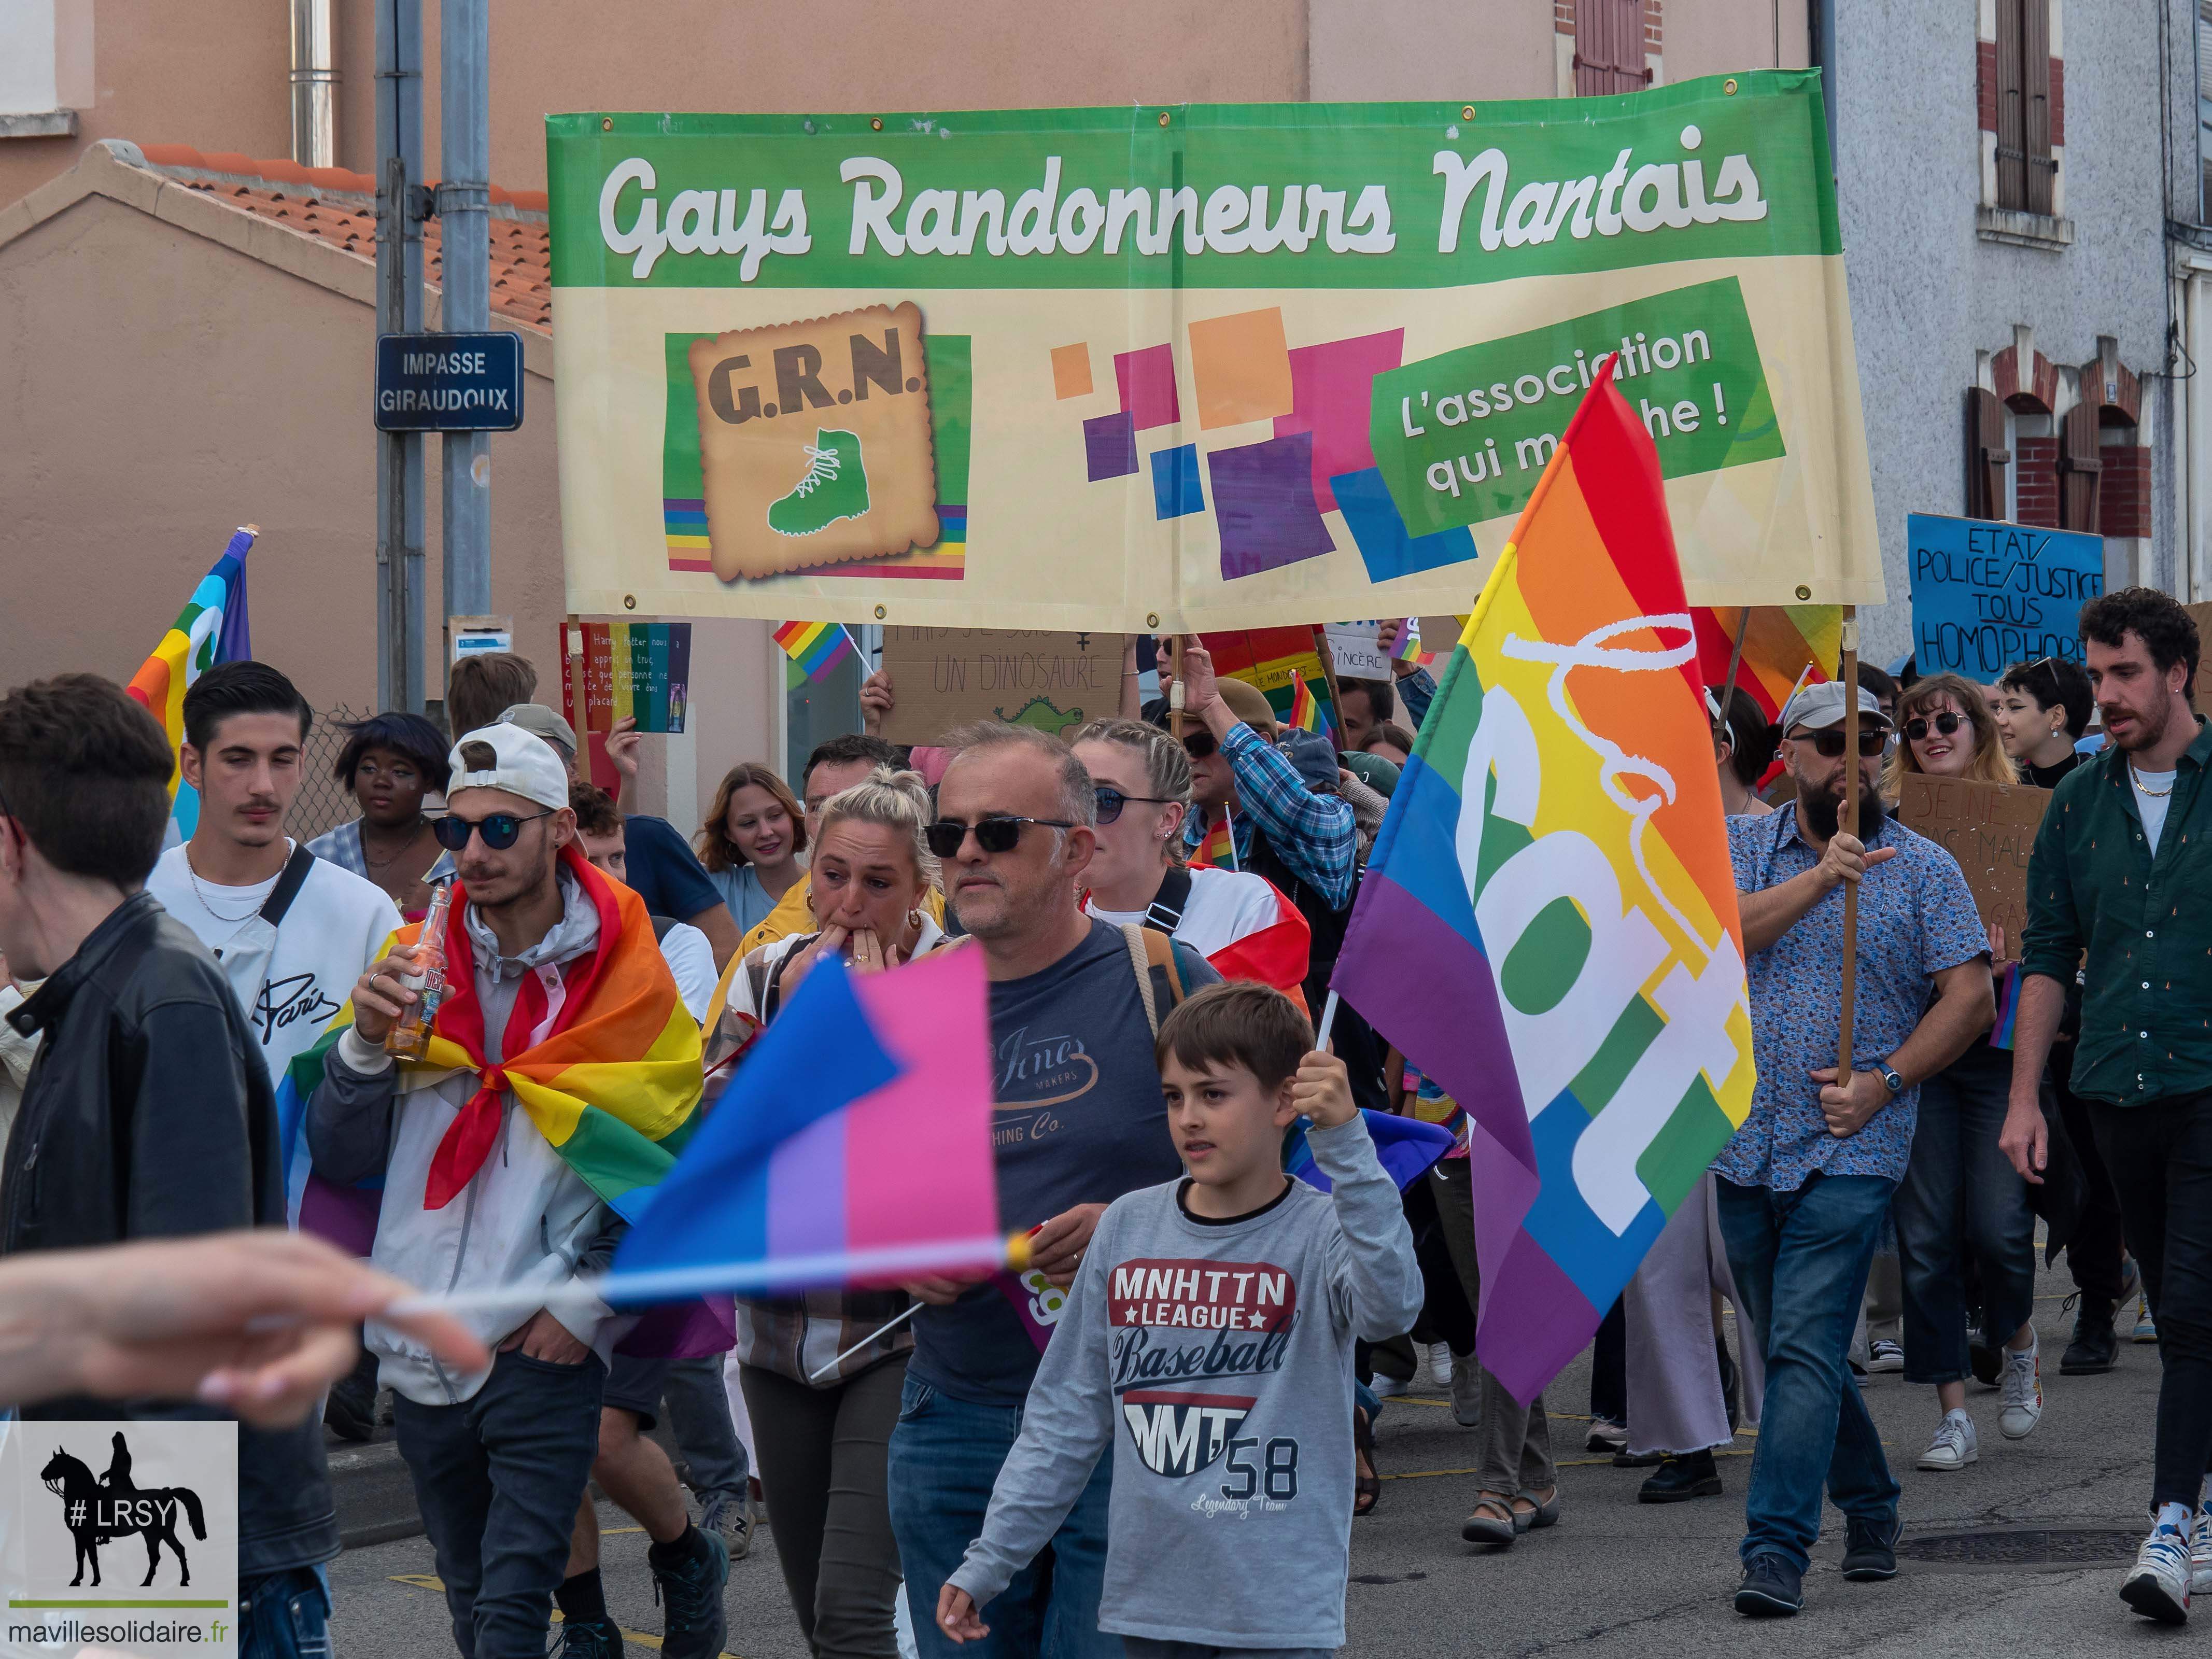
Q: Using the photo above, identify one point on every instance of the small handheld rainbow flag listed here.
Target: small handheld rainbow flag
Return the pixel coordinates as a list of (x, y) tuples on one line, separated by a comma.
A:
[(817, 648), (1218, 850), (210, 628), (1305, 713), (1408, 646)]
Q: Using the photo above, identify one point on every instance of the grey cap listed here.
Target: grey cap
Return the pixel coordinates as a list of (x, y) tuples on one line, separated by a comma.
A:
[(1816, 707), (1314, 756), (542, 723)]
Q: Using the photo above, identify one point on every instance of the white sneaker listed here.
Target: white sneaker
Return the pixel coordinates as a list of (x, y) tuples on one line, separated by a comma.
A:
[(2157, 1586), (1440, 1364), (1384, 1386), (1953, 1446), (1467, 1393), (2200, 1550), (1885, 1356), (2022, 1383)]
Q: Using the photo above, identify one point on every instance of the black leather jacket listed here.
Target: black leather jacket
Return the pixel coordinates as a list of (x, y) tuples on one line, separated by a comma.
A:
[(148, 1115)]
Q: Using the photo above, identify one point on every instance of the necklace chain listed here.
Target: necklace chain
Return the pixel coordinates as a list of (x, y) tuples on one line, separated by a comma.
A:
[(200, 891), (2136, 778), (386, 862)]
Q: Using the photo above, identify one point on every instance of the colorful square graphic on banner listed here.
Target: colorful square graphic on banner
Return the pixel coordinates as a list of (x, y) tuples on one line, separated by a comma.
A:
[(1176, 490), (1147, 382), (1263, 501), (1332, 387), (1070, 372), (1242, 367)]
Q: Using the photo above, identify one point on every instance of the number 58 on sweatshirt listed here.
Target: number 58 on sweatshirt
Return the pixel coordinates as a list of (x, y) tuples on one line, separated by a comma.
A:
[(1216, 1357)]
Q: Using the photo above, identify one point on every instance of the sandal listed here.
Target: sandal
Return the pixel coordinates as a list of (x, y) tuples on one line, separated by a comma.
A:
[(1366, 1489), (1491, 1521), (1536, 1515)]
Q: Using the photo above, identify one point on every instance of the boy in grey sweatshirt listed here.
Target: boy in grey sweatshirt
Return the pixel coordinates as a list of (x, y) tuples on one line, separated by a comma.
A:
[(1209, 1336)]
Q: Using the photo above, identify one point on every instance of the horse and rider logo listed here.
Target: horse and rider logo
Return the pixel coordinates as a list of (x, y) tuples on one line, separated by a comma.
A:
[(98, 1510)]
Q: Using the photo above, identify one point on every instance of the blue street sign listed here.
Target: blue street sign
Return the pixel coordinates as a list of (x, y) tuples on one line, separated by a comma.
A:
[(448, 382)]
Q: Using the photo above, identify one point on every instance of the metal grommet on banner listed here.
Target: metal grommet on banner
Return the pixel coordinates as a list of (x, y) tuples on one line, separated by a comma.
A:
[(881, 613), (606, 123), (629, 601), (1728, 86), (1803, 591), (1466, 112), (876, 122), (1152, 620), (1164, 118)]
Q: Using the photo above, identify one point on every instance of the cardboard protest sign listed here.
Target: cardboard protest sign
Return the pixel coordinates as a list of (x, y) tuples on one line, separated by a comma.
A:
[(1190, 368), (1986, 595), (618, 671), (1355, 651), (942, 678), (1989, 827)]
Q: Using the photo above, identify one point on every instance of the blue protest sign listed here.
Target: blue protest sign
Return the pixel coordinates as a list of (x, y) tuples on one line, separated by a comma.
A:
[(1986, 595)]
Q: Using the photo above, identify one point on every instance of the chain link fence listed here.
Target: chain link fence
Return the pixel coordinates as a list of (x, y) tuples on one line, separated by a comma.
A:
[(323, 802)]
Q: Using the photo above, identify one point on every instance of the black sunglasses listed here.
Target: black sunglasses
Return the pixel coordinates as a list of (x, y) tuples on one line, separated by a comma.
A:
[(1199, 744), (498, 830), (1829, 741), (995, 834), (1916, 729), (1112, 800)]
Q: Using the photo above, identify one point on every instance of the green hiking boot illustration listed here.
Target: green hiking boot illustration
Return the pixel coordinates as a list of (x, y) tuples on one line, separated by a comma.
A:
[(836, 486)]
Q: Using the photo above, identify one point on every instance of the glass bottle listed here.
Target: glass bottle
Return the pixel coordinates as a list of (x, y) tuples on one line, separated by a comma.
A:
[(409, 1037)]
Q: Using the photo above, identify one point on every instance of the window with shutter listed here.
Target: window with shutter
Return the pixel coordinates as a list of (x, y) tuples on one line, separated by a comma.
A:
[(1609, 48), (2204, 106), (2026, 166), (2081, 469), (1987, 456)]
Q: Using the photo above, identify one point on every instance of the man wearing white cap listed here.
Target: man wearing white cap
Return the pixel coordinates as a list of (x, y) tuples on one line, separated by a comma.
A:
[(1802, 1187), (477, 1198)]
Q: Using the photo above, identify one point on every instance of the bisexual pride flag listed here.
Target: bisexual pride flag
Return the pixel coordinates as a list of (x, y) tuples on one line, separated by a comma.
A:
[(1548, 927), (212, 627)]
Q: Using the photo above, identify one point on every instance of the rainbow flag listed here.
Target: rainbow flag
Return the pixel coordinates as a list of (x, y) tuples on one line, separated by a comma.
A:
[(1305, 713), (853, 1143), (212, 627), (1408, 646), (817, 647), (1781, 645), (1547, 927), (1218, 850)]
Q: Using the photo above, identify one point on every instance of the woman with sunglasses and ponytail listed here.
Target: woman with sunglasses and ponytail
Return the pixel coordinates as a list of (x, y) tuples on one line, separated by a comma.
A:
[(821, 1417), (1141, 777), (1960, 1200)]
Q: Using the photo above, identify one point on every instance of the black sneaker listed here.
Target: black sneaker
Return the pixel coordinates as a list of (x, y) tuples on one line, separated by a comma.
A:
[(694, 1625), (350, 1411), (591, 1638), (1681, 1479), (2095, 1350), (1771, 1588), (1870, 1549)]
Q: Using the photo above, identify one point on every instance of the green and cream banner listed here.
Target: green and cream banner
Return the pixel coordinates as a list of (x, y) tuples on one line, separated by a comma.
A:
[(1190, 367)]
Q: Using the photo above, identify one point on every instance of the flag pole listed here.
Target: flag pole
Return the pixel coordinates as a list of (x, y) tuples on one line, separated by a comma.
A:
[(1849, 822), (1735, 662), (876, 1335), (1329, 675), (1175, 688)]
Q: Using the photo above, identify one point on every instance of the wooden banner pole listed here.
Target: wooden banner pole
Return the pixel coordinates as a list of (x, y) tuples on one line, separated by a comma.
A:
[(1849, 822), (1328, 674), (1175, 688)]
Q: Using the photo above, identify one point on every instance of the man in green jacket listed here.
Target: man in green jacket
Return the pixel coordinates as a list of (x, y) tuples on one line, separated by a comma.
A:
[(2120, 882)]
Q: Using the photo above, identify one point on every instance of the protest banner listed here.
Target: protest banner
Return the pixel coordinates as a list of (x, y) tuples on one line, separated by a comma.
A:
[(1986, 595), (942, 678), (1989, 827), (616, 670), (1267, 658), (1188, 367)]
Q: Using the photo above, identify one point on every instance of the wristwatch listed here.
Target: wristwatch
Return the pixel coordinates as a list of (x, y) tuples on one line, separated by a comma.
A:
[(1892, 1079)]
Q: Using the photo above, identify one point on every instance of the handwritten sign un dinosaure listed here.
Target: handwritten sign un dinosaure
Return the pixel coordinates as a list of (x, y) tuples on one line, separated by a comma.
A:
[(1987, 595), (1989, 827), (946, 677)]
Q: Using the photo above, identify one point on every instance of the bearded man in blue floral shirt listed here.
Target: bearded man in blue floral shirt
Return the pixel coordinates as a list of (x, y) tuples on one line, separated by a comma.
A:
[(1804, 1184)]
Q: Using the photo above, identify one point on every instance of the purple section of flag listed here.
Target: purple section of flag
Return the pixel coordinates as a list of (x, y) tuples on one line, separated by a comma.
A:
[(1533, 1320), (1263, 501), (235, 642), (1109, 447), (806, 1191)]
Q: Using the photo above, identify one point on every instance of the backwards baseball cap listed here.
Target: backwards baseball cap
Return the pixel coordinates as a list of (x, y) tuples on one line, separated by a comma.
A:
[(1314, 756), (543, 723), (1817, 706), (523, 764)]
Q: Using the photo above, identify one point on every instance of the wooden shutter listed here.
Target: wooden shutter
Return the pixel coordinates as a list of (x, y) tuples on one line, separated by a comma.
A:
[(2012, 111), (2081, 469), (1609, 48), (1986, 455), (2035, 80)]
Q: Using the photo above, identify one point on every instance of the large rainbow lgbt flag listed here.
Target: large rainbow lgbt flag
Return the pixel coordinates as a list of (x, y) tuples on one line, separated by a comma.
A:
[(1780, 643), (853, 1143), (212, 627), (1548, 925)]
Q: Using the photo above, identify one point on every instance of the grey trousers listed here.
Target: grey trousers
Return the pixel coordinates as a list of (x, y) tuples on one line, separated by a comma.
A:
[(699, 1413), (1675, 1399)]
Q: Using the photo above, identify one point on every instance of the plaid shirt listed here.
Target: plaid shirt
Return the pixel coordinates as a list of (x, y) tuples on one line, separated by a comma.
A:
[(1315, 835), (342, 846)]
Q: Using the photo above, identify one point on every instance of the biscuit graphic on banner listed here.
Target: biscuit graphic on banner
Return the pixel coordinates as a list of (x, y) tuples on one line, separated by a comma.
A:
[(814, 441)]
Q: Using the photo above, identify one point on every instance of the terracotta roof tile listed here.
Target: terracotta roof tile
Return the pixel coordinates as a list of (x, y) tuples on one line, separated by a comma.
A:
[(339, 207)]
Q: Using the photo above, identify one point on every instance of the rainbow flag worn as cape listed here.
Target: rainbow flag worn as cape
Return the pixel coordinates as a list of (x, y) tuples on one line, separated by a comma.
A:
[(1305, 712), (1781, 645), (212, 627), (817, 647), (1548, 925)]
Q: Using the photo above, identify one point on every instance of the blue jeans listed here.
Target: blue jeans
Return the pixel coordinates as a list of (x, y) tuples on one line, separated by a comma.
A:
[(497, 1480), (1800, 1260), (1961, 1197), (945, 1454), (285, 1615)]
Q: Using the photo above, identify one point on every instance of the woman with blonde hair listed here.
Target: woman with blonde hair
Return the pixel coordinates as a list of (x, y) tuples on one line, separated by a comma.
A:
[(822, 1422), (1946, 730), (751, 842)]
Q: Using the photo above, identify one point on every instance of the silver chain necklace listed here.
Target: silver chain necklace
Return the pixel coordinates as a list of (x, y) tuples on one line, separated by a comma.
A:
[(200, 891)]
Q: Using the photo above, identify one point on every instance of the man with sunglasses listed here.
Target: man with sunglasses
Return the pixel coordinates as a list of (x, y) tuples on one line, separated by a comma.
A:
[(1804, 1185), (500, 1458), (1080, 1121)]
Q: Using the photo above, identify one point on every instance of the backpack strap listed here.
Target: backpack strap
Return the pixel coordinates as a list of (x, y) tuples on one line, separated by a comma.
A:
[(1136, 936), (1165, 914), (289, 883)]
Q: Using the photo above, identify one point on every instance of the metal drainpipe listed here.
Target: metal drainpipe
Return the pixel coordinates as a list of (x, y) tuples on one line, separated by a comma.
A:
[(314, 83)]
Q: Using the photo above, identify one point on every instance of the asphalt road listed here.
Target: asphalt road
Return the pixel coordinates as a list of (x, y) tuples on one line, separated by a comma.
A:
[(1614, 1577)]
